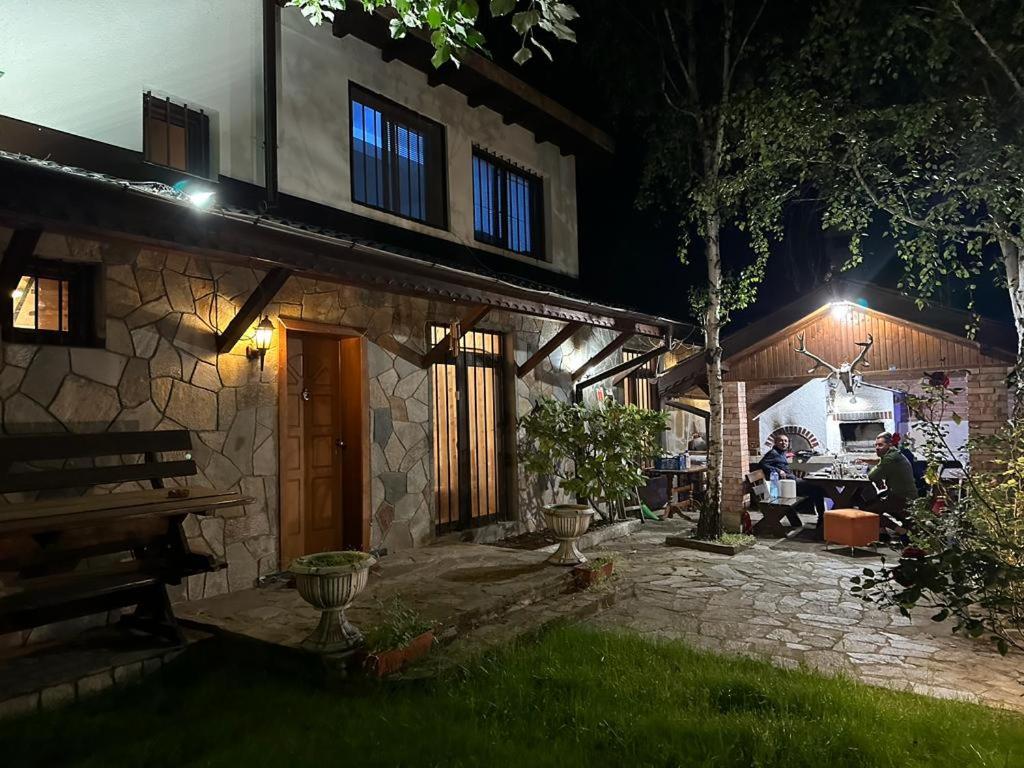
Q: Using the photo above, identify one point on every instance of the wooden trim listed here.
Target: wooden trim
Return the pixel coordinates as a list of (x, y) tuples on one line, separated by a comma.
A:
[(602, 355), (624, 368), (440, 350), (357, 335), (547, 348), (311, 326), (680, 405), (258, 300)]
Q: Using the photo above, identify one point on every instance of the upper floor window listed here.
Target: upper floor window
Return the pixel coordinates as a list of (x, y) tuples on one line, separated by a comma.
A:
[(54, 303), (398, 159), (507, 205), (176, 135)]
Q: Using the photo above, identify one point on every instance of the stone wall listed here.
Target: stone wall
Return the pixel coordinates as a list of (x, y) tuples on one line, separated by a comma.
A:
[(159, 370)]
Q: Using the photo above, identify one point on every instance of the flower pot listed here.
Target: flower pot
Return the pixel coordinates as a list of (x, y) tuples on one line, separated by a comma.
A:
[(568, 522), (330, 581), (387, 662), (587, 575)]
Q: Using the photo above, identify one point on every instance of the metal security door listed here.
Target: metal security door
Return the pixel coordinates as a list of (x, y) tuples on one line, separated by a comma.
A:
[(468, 432)]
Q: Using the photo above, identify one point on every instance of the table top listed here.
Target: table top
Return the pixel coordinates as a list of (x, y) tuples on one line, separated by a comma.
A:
[(61, 513), (687, 471), (836, 480)]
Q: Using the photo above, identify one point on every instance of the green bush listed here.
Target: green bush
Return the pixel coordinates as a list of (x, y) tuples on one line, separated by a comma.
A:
[(595, 452), (966, 558)]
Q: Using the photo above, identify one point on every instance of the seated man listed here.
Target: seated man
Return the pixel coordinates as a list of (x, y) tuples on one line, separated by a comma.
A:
[(895, 472), (777, 460)]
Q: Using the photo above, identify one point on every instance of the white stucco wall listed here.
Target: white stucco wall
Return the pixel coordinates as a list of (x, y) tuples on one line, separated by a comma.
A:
[(807, 407), (313, 148), (82, 67)]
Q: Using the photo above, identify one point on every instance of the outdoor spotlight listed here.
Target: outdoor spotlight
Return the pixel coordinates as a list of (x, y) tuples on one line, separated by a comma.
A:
[(841, 310), (200, 198), (263, 336)]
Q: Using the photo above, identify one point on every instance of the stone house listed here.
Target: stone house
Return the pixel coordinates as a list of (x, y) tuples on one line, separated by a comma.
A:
[(413, 237)]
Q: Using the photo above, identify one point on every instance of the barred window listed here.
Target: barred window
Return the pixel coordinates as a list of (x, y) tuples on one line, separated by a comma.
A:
[(398, 160), (176, 135), (507, 205)]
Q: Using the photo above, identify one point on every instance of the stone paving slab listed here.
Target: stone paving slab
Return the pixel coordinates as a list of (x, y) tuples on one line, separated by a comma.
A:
[(793, 606), (457, 586)]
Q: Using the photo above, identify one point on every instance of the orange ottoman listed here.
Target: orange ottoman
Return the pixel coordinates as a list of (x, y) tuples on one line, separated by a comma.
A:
[(851, 527)]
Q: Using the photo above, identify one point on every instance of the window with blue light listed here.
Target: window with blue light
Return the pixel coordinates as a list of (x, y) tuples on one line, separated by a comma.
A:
[(507, 209), (397, 160)]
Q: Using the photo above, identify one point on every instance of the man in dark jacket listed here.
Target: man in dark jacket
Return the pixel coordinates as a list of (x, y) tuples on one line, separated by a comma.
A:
[(777, 459), (894, 471)]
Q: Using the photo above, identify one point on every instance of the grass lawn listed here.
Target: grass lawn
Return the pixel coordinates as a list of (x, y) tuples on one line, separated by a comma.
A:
[(572, 697)]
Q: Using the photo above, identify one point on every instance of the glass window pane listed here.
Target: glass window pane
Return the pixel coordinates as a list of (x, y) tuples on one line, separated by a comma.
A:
[(24, 297), (48, 304)]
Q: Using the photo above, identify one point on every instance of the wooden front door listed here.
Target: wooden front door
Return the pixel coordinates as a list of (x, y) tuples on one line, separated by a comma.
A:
[(312, 449)]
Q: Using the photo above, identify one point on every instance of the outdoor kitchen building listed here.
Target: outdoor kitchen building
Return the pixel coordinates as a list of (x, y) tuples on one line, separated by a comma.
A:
[(177, 174)]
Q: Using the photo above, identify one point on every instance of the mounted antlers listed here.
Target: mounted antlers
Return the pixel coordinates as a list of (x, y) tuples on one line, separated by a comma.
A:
[(818, 362), (865, 346), (845, 372)]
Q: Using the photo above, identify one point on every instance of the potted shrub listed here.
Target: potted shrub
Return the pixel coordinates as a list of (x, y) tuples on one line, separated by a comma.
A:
[(593, 572), (402, 637), (596, 453), (330, 581)]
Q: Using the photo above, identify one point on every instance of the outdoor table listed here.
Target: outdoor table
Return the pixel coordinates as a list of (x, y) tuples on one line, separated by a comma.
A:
[(690, 479), (845, 492)]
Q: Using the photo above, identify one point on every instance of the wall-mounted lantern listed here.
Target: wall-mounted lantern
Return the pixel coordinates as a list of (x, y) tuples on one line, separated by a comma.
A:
[(263, 337)]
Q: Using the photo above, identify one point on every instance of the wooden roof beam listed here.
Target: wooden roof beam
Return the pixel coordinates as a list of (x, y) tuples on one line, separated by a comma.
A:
[(637, 362), (603, 354), (258, 300), (624, 368), (548, 347), (440, 350)]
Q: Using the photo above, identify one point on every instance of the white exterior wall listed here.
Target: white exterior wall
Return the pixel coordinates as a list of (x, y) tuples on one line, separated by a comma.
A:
[(82, 67), (314, 129)]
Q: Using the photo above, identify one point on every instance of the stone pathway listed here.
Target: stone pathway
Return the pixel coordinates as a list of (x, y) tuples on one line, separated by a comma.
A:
[(457, 586), (793, 606)]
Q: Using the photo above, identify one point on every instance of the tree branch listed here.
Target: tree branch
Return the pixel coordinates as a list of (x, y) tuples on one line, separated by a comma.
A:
[(1017, 86), (746, 37)]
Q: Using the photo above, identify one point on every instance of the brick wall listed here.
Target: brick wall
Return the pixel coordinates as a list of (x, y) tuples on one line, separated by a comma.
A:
[(987, 406), (736, 450)]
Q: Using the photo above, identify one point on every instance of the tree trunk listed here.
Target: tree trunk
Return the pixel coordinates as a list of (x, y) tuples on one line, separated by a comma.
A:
[(1015, 283), (709, 526)]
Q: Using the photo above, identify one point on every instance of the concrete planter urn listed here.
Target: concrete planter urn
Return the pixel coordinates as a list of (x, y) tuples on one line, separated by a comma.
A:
[(330, 581), (568, 522)]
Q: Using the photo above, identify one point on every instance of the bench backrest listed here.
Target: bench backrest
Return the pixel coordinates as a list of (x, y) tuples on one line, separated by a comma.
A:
[(20, 450)]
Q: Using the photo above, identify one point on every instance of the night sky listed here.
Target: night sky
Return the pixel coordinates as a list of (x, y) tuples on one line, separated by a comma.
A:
[(628, 255)]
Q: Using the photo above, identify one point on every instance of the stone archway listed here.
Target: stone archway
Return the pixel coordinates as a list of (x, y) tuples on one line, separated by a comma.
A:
[(800, 438)]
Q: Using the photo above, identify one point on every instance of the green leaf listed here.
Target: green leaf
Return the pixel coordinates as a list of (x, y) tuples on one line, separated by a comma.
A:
[(523, 55), (502, 7)]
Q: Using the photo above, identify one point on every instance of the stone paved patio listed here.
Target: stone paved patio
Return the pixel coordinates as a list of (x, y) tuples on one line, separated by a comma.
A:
[(792, 605), (457, 586)]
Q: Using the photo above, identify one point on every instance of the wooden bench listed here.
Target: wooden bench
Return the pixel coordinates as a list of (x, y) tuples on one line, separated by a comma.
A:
[(772, 510), (46, 544)]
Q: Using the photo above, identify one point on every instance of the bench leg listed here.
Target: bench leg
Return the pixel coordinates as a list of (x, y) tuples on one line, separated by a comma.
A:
[(154, 615)]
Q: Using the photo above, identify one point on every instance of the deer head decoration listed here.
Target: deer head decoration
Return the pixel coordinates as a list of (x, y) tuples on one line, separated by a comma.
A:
[(845, 373)]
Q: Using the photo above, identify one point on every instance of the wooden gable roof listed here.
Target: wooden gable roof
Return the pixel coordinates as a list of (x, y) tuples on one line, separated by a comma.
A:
[(900, 346), (907, 340)]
